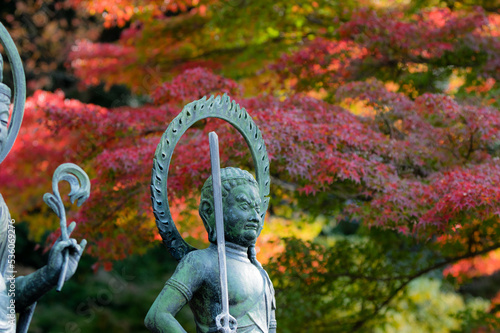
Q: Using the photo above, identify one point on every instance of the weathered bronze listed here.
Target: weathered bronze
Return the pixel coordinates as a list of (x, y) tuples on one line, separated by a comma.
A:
[(222, 108), (197, 279), (20, 294)]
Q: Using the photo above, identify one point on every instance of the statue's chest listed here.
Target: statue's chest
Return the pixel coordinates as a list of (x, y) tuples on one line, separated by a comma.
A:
[(246, 293), (245, 282)]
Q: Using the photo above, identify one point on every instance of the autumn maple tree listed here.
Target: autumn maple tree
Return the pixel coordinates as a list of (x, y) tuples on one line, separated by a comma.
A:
[(381, 123)]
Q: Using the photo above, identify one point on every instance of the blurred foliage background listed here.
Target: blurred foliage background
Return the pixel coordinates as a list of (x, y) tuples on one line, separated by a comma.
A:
[(380, 117)]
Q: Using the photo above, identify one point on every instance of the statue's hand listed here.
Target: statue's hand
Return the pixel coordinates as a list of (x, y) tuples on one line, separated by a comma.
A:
[(56, 256)]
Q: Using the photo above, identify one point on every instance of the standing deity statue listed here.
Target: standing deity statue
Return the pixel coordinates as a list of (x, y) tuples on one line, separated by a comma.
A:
[(19, 294), (197, 280)]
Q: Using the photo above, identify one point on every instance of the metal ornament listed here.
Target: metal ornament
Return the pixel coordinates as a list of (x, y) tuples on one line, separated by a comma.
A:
[(219, 107), (224, 321), (19, 91), (80, 191)]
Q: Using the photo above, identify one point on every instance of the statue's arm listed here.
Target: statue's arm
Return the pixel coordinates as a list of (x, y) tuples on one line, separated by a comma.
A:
[(273, 324), (176, 293), (33, 286), (161, 315)]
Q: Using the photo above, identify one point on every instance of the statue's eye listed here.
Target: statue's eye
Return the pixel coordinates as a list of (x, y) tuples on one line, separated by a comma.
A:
[(245, 206)]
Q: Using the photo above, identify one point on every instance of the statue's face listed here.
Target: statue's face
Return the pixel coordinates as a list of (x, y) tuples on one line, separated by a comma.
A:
[(242, 222), (4, 118)]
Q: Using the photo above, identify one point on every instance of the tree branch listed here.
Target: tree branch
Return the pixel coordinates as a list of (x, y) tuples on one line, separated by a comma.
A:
[(412, 277)]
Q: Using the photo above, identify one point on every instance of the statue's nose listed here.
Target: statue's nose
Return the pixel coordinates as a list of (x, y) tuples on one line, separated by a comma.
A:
[(255, 217)]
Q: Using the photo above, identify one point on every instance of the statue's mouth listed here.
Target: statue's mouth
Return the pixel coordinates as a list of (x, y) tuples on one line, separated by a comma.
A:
[(251, 226)]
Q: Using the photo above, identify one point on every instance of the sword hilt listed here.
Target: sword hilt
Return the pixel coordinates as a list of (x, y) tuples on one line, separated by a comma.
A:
[(226, 323)]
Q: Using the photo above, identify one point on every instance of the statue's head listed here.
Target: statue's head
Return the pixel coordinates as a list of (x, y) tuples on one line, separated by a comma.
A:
[(241, 207)]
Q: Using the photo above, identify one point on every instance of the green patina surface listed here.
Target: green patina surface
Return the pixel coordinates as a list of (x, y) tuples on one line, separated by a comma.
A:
[(245, 200), (196, 279)]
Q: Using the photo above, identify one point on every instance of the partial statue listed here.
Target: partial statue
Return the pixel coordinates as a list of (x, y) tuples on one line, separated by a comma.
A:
[(225, 286), (19, 294)]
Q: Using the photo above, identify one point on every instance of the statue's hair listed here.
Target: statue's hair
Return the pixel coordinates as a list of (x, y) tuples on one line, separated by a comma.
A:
[(230, 178)]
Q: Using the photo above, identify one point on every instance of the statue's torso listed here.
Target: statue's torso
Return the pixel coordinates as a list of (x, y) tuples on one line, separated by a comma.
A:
[(248, 292)]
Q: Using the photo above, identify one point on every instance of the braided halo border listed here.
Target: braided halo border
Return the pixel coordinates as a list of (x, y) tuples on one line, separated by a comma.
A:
[(219, 107), (19, 90)]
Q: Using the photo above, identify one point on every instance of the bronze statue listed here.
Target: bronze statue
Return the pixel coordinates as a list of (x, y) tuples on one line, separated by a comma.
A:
[(19, 294), (198, 279)]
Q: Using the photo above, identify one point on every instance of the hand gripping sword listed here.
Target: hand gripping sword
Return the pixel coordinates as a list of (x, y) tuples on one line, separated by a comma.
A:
[(224, 321)]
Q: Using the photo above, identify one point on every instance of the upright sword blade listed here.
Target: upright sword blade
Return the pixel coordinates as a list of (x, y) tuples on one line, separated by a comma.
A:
[(224, 321)]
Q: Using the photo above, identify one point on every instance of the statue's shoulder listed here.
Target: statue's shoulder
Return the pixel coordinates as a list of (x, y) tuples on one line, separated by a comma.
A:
[(201, 259), (196, 267)]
